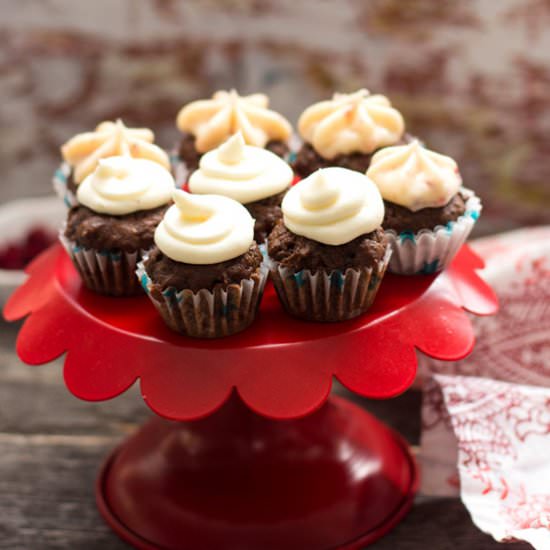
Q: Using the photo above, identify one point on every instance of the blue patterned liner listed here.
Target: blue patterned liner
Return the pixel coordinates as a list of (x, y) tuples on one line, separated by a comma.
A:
[(328, 296), (207, 313), (104, 271), (430, 251), (60, 184)]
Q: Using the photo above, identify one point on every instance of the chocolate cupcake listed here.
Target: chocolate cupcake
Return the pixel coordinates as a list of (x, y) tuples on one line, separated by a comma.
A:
[(205, 274), (82, 153), (207, 123), (253, 176), (345, 131), (120, 204), (428, 213), (329, 254)]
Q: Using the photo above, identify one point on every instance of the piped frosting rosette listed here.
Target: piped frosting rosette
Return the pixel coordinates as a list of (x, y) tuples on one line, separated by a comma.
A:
[(82, 153), (415, 178), (118, 186), (213, 121), (203, 230), (333, 207), (241, 172), (351, 123)]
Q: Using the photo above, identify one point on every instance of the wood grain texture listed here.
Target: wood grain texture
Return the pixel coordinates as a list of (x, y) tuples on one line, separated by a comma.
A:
[(51, 446)]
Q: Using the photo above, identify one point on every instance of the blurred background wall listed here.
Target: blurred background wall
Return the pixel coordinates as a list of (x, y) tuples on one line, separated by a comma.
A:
[(472, 77)]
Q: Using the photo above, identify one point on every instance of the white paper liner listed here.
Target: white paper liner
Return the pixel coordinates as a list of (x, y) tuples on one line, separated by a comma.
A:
[(328, 296), (294, 145), (179, 168), (60, 181), (430, 251), (104, 272), (206, 313)]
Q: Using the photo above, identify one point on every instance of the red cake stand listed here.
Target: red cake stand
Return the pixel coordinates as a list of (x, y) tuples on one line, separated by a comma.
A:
[(247, 450)]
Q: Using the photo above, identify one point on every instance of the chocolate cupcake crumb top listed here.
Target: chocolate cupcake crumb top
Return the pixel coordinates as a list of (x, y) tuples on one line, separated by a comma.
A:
[(168, 273), (120, 204), (298, 253), (105, 232)]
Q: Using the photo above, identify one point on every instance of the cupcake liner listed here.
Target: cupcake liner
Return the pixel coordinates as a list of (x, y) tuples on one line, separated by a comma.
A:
[(104, 271), (207, 313), (328, 296), (294, 144), (429, 251), (60, 184)]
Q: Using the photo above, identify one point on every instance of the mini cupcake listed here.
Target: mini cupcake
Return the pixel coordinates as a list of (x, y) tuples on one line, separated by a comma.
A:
[(429, 214), (253, 176), (120, 204), (82, 153), (207, 123), (345, 131), (205, 275), (328, 255)]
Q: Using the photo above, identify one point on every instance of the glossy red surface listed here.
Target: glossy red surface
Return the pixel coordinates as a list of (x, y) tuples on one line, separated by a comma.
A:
[(281, 367), (336, 478), (234, 480)]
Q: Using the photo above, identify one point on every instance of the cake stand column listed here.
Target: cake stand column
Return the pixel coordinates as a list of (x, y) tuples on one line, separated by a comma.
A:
[(237, 480)]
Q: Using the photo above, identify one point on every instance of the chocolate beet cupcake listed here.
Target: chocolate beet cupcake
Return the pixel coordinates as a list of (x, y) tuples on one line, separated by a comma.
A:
[(345, 131), (120, 205), (328, 255), (207, 123), (428, 213), (82, 153), (250, 175), (205, 274)]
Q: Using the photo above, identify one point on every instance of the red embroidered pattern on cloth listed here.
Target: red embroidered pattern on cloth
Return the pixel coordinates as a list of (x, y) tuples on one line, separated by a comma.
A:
[(502, 431), (514, 345)]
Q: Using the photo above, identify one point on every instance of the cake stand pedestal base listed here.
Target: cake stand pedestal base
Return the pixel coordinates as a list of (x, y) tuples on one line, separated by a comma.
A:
[(337, 478)]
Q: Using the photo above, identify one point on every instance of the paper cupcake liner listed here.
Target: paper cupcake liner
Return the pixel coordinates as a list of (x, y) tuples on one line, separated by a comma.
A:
[(104, 271), (60, 184), (294, 145), (207, 313), (328, 296), (430, 251)]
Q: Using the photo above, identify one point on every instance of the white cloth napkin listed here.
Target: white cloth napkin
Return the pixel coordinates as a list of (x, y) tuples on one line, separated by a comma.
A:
[(500, 433), (486, 436)]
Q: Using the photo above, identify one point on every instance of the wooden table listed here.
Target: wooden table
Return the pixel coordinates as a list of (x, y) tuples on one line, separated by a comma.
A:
[(51, 446)]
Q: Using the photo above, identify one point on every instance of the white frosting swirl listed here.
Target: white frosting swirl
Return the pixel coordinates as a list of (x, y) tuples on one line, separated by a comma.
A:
[(414, 177), (83, 151), (333, 206), (122, 185), (204, 229), (351, 123), (241, 172), (212, 121)]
